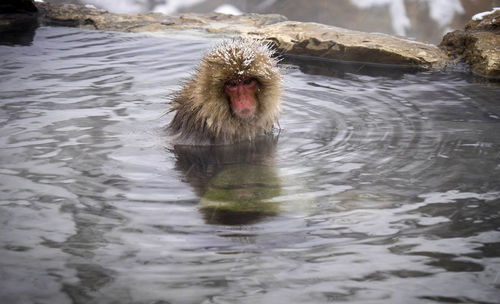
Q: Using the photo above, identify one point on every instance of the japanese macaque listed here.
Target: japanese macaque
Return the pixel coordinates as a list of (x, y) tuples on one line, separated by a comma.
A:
[(234, 96)]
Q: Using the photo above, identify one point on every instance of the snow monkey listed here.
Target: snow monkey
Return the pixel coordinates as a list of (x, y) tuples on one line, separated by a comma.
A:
[(233, 96)]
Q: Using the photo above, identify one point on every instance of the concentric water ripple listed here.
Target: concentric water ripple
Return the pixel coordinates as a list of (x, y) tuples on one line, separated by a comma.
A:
[(381, 130), (380, 187)]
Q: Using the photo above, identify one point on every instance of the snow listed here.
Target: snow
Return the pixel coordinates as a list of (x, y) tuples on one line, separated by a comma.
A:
[(172, 6), (134, 6), (125, 6), (245, 56), (480, 16), (399, 19), (228, 9), (442, 12)]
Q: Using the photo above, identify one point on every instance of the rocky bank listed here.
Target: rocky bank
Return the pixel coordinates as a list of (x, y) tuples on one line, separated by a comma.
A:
[(478, 44)]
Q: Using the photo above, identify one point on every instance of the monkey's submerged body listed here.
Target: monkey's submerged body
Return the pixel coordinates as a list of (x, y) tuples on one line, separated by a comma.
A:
[(234, 96)]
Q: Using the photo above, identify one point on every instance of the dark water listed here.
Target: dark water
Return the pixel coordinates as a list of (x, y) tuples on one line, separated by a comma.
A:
[(378, 189)]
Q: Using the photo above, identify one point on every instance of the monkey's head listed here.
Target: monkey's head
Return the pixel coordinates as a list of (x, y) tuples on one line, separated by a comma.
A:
[(240, 80)]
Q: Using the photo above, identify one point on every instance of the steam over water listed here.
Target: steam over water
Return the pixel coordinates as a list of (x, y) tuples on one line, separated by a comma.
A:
[(381, 187)]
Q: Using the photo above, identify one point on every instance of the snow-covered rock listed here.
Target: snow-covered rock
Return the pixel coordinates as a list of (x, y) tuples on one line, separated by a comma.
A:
[(480, 16)]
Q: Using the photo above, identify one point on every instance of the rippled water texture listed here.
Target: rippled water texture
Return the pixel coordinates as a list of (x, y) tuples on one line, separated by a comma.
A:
[(380, 188)]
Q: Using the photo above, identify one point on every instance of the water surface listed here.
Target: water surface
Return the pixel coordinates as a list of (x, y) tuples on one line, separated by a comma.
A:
[(380, 188)]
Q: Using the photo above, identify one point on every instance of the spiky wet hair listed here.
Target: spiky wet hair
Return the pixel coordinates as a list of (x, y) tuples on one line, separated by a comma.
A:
[(203, 111)]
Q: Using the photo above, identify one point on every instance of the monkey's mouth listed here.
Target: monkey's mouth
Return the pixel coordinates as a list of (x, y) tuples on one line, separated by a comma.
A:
[(244, 114)]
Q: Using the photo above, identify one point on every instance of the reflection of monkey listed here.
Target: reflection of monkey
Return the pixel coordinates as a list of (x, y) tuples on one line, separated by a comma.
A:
[(235, 182), (234, 96)]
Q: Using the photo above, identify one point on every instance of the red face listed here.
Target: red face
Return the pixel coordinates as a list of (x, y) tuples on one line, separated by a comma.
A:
[(241, 93)]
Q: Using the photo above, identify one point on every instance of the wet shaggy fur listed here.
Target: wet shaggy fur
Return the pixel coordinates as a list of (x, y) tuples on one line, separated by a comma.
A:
[(202, 109)]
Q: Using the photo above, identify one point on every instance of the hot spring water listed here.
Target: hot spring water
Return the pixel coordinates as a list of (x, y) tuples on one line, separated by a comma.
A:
[(380, 188)]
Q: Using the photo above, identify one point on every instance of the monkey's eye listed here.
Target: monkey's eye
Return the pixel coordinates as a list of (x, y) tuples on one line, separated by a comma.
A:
[(248, 81), (231, 83)]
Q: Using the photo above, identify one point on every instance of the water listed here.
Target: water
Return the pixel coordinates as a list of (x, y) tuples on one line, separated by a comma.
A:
[(380, 188)]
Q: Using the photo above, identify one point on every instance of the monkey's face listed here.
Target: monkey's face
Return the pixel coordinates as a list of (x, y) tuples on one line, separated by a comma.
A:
[(241, 92)]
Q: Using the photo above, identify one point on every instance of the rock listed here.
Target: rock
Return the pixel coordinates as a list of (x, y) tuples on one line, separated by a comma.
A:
[(483, 54), (89, 17), (426, 21), (478, 45), (294, 38), (314, 39), (82, 16)]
